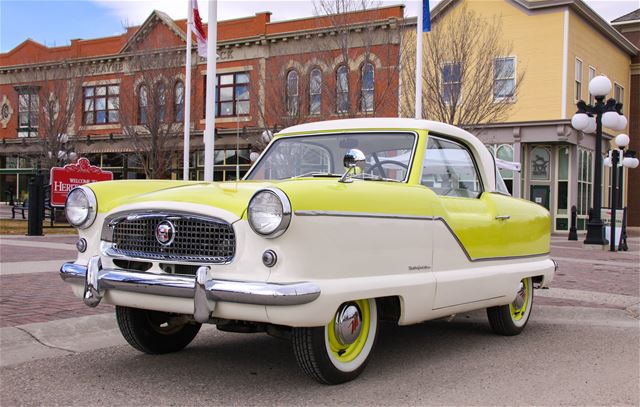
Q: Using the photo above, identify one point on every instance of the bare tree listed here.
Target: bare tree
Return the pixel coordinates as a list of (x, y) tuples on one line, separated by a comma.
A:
[(49, 104), (468, 78), (355, 39), (341, 39), (149, 111)]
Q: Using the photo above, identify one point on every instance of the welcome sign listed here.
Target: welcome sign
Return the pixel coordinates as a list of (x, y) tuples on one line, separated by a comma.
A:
[(64, 179)]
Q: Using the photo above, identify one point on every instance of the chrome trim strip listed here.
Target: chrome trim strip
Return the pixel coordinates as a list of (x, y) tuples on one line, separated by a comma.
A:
[(413, 217), (471, 302), (362, 215), (182, 286)]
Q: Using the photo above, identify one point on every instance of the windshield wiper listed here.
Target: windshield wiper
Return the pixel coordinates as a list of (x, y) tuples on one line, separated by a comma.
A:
[(316, 174), (372, 177)]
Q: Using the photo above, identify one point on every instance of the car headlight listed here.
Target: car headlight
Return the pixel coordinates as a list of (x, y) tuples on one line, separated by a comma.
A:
[(81, 207), (269, 212)]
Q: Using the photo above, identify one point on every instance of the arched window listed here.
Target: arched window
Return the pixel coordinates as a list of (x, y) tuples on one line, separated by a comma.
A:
[(161, 101), (178, 102), (292, 93), (143, 103), (315, 91), (342, 89), (367, 88), (540, 161)]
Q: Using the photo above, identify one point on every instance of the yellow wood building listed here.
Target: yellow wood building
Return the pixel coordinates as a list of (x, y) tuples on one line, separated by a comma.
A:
[(559, 45)]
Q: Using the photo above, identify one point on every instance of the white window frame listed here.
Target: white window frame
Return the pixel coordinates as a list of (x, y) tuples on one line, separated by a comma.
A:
[(577, 84), (293, 94), (363, 90), (317, 92), (592, 74), (617, 86), (510, 98)]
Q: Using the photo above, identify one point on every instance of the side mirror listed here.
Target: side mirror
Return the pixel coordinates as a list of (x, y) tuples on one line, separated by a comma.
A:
[(351, 160)]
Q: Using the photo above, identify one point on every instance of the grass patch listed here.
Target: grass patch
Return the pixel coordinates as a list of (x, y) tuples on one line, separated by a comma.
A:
[(19, 227)]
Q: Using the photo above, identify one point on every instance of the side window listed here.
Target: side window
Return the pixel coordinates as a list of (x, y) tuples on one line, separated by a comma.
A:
[(449, 170)]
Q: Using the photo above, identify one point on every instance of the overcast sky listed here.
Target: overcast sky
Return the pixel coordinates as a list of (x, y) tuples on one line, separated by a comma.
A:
[(55, 22)]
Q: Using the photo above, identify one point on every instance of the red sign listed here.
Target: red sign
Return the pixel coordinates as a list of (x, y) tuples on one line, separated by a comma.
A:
[(64, 179)]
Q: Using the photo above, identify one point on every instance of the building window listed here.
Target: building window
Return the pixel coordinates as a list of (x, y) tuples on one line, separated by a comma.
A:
[(578, 85), (618, 93), (292, 93), (315, 92), (585, 184), (592, 74), (143, 103), (451, 82), (28, 106), (178, 102), (342, 89), (540, 163), (161, 101), (562, 211), (367, 88), (233, 94), (101, 104), (504, 76)]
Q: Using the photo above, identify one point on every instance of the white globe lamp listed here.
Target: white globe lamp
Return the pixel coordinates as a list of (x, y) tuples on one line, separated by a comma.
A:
[(580, 121), (611, 120), (607, 162), (622, 140), (253, 156), (622, 122), (630, 162), (600, 86), (591, 126)]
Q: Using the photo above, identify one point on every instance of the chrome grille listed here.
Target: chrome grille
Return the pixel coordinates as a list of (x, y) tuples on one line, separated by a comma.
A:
[(197, 239)]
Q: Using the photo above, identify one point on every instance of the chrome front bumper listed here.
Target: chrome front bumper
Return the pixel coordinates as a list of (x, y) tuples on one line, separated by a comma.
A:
[(202, 289)]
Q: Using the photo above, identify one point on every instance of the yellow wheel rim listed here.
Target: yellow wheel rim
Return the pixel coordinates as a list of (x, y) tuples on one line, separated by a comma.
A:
[(518, 313), (347, 353)]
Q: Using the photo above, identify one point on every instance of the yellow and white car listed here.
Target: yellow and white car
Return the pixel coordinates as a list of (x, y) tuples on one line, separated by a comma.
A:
[(338, 225)]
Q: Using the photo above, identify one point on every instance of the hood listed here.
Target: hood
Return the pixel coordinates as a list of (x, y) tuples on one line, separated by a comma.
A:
[(304, 194), (230, 196)]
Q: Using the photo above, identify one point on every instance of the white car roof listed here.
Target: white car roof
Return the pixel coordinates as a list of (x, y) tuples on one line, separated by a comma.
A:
[(486, 163)]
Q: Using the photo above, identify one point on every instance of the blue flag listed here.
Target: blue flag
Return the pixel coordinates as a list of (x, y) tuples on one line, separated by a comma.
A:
[(426, 16)]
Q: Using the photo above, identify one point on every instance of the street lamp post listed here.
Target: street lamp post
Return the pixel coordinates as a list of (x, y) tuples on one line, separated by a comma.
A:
[(616, 160), (590, 118)]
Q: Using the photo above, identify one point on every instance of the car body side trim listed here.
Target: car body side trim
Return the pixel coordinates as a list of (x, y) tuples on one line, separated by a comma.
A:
[(413, 217)]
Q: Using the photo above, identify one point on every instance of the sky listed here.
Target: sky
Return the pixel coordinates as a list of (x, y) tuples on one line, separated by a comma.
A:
[(56, 22)]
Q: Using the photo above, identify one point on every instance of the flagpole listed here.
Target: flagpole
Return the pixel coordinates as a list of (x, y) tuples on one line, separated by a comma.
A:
[(209, 128), (187, 96), (419, 35)]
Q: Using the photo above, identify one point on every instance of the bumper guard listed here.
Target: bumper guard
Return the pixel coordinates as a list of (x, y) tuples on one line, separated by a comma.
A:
[(200, 288)]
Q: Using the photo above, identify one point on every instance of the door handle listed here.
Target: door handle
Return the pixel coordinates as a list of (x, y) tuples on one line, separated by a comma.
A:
[(503, 217)]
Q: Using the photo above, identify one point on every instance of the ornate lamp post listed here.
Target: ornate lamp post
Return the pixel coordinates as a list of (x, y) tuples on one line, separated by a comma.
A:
[(618, 159), (591, 118)]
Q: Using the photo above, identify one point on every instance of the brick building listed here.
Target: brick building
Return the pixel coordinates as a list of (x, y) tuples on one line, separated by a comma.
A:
[(270, 75)]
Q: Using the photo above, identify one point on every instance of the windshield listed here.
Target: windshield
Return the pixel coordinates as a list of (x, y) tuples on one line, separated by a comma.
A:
[(388, 156)]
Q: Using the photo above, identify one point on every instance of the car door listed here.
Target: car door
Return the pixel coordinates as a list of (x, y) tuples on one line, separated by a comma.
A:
[(465, 229)]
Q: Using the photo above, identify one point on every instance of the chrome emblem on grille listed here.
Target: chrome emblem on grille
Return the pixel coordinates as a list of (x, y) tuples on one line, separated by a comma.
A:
[(165, 232)]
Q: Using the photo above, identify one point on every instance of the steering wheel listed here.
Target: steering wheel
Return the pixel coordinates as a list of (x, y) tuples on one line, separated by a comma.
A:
[(379, 165)]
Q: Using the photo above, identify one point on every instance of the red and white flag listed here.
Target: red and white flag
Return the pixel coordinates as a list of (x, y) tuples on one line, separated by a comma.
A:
[(198, 30)]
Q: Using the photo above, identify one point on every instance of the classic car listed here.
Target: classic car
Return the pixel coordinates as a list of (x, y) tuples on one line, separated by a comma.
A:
[(337, 225)]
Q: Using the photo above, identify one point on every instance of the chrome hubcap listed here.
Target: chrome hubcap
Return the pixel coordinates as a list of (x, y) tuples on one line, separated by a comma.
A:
[(348, 324), (520, 296)]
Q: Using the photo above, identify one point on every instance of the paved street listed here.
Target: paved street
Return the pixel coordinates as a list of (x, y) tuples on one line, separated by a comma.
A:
[(581, 347)]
